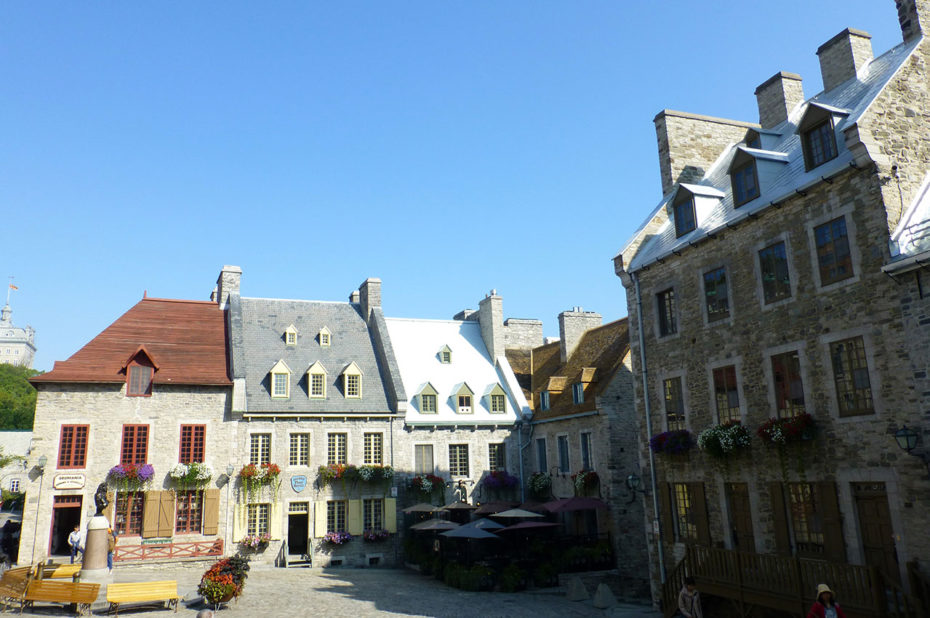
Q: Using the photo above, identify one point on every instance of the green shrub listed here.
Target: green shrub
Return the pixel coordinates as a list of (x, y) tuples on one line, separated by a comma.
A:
[(512, 578)]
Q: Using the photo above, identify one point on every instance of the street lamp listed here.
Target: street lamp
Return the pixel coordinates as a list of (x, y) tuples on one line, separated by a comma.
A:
[(633, 483), (230, 469), (907, 440)]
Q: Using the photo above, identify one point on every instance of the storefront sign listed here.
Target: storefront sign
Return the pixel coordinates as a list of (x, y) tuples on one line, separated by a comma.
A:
[(68, 481), (299, 483)]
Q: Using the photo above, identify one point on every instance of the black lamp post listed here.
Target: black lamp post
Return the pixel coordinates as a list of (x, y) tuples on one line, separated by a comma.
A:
[(633, 483), (907, 440)]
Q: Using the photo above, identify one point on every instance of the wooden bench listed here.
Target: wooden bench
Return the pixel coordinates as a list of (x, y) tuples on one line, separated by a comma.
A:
[(143, 592), (57, 571), (50, 591), (13, 585)]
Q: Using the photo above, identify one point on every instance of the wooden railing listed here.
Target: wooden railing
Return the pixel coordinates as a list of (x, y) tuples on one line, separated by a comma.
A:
[(788, 583), (196, 549)]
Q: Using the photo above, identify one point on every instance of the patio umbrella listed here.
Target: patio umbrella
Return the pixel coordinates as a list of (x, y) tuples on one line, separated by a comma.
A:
[(577, 503), (484, 524), (459, 506), (530, 505), (435, 524), (529, 525), (516, 514), (465, 532), (421, 507), (489, 508)]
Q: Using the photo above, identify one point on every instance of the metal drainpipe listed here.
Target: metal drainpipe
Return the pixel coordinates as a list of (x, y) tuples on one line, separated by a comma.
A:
[(657, 524)]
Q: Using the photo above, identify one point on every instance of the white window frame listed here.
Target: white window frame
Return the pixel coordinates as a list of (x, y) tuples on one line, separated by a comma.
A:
[(432, 449)]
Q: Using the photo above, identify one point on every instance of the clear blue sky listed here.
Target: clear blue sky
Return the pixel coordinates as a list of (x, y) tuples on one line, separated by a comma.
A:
[(445, 147)]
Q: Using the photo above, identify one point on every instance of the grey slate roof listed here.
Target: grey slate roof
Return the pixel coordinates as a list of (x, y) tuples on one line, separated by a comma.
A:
[(257, 337), (851, 98)]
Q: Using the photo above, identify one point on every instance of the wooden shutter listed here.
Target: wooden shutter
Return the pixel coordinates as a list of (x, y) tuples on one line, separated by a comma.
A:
[(780, 519), (166, 513), (699, 513), (211, 511), (390, 514), (274, 520), (108, 512), (828, 508), (665, 514), (354, 518), (150, 507), (319, 519), (240, 513)]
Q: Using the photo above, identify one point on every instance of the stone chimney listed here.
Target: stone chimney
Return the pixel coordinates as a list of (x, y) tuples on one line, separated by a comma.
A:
[(572, 325), (913, 15), (227, 282), (689, 144), (842, 56), (369, 296), (466, 315), (353, 297), (491, 318), (777, 96)]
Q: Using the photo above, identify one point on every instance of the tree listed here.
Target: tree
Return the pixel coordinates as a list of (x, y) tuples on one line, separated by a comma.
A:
[(17, 397)]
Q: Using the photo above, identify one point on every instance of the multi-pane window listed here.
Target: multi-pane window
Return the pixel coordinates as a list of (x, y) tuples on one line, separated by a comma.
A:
[(685, 221), (789, 389), (773, 263), (685, 527), (291, 338), (833, 255), (374, 449), (140, 381), (458, 459), (667, 323), (745, 183), (806, 525), (353, 385), (423, 458), (820, 144), (127, 513), (279, 384), (586, 462), (260, 448), (464, 404), (726, 394), (193, 438), (135, 446), (544, 400), (497, 457), (851, 375), (300, 450), (336, 516), (258, 519), (336, 448), (446, 357), (324, 339), (189, 512), (674, 404), (373, 513), (716, 296), (564, 463), (72, 447), (14, 486), (317, 385), (498, 404), (542, 463), (578, 392), (427, 403)]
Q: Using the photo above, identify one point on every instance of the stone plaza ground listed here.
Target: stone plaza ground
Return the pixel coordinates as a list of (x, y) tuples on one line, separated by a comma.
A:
[(271, 592)]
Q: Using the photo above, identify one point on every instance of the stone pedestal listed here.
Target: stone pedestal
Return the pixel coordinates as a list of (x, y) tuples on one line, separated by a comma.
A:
[(94, 566)]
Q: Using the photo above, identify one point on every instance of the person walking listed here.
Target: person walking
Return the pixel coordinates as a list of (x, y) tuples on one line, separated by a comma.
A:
[(74, 541), (825, 606), (689, 603), (111, 547)]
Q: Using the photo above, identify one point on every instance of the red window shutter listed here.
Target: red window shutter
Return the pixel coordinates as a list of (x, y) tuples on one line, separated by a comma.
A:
[(780, 519)]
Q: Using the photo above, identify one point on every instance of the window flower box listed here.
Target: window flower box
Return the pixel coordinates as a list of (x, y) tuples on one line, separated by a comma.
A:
[(255, 478), (191, 475), (722, 441), (539, 484), (255, 541), (427, 483), (584, 481), (375, 474), (675, 442), (375, 536), (336, 538), (131, 477)]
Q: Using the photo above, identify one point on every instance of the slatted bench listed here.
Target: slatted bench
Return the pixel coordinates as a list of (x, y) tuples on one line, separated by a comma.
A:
[(143, 592), (50, 591), (57, 571), (13, 585)]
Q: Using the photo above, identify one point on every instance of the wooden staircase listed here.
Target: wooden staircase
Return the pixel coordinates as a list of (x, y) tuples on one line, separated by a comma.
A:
[(788, 583)]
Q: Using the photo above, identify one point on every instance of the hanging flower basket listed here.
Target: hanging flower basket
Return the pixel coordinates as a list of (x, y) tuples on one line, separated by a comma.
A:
[(427, 483), (255, 478), (375, 536), (337, 472), (375, 474), (192, 475), (722, 441), (255, 541), (336, 538), (130, 477), (676, 442), (585, 480), (500, 479), (539, 484), (787, 430)]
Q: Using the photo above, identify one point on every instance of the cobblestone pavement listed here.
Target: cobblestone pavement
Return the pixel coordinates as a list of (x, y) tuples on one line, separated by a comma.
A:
[(271, 592)]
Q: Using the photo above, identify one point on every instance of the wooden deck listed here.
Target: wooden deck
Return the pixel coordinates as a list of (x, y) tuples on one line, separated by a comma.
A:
[(788, 583)]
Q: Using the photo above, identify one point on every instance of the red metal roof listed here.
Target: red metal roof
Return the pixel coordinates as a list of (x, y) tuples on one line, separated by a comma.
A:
[(185, 339)]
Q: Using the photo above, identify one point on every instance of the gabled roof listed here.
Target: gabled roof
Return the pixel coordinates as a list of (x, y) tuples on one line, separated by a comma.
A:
[(849, 100), (910, 242), (186, 338)]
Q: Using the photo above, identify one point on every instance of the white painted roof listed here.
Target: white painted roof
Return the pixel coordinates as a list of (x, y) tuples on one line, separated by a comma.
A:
[(912, 236), (416, 347)]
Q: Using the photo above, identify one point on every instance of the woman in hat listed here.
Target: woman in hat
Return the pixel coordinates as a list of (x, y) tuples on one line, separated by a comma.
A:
[(825, 606)]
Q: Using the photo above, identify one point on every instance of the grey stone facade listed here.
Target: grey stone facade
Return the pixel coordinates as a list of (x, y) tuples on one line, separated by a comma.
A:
[(17, 345)]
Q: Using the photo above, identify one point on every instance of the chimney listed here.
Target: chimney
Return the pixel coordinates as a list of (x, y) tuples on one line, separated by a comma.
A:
[(913, 16), (227, 283), (491, 318), (690, 143), (842, 56), (777, 96), (466, 315), (572, 325), (353, 297), (369, 294)]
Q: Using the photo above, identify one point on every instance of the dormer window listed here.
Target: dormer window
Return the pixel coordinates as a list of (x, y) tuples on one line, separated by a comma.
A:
[(316, 381), (544, 400), (745, 183), (496, 399), (464, 404), (818, 135), (685, 220), (290, 335), (463, 397), (445, 355), (352, 381), (427, 398), (280, 380), (324, 337), (753, 140), (140, 373), (578, 392)]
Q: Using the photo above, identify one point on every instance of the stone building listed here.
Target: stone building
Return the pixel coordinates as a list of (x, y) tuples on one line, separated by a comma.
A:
[(584, 432), (147, 394), (17, 345), (760, 288)]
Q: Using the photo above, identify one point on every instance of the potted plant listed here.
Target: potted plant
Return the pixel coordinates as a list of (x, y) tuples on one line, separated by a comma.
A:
[(375, 474), (539, 484), (224, 580), (131, 477), (427, 483), (675, 442), (336, 538), (722, 441), (254, 478), (190, 475), (584, 481)]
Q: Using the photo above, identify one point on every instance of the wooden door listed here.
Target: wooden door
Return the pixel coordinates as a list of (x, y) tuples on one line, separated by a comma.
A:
[(878, 542), (741, 532)]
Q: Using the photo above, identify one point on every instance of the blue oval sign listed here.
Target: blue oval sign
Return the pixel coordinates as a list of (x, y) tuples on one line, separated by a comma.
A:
[(299, 483)]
